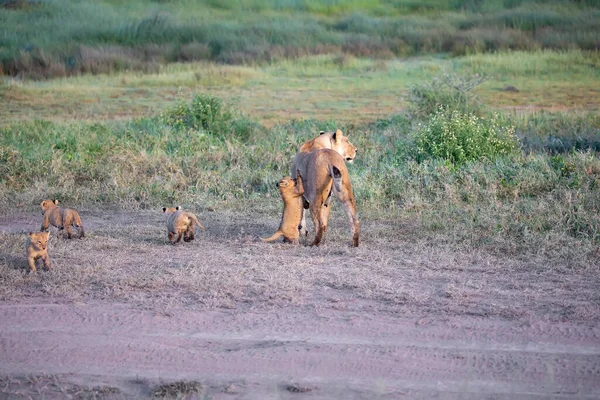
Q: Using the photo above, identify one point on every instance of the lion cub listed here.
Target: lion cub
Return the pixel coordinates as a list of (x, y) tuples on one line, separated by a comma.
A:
[(291, 192), (180, 223), (37, 247), (62, 218)]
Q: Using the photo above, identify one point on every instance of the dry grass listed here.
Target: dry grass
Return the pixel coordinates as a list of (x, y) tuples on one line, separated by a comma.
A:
[(55, 387), (126, 258)]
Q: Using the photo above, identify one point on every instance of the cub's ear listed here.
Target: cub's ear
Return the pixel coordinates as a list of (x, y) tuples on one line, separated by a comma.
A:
[(321, 132), (47, 234), (56, 202), (178, 208), (164, 209), (30, 233), (298, 174)]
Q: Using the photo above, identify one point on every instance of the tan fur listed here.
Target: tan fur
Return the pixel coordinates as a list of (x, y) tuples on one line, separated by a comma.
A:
[(291, 193), (37, 247), (319, 183), (181, 224), (326, 172), (62, 218)]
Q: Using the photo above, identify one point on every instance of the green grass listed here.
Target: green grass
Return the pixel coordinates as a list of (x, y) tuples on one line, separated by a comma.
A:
[(107, 36), (340, 87), (526, 202)]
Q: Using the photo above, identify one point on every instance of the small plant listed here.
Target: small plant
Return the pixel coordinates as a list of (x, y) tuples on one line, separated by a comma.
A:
[(458, 137)]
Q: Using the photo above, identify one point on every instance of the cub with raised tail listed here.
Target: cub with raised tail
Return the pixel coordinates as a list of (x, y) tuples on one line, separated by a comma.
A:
[(291, 193), (37, 247), (62, 218), (180, 224)]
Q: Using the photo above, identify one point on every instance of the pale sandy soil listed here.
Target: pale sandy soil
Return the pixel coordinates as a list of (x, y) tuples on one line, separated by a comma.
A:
[(123, 312)]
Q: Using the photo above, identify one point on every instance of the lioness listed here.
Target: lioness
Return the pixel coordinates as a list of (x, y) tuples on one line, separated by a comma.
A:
[(326, 140), (291, 193), (37, 247), (180, 223), (62, 218), (326, 172)]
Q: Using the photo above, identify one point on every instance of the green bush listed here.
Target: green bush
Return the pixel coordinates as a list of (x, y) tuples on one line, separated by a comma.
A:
[(460, 137), (450, 91), (209, 114)]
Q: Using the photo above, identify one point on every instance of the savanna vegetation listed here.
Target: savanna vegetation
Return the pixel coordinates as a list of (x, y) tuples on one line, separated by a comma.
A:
[(495, 149), (106, 36)]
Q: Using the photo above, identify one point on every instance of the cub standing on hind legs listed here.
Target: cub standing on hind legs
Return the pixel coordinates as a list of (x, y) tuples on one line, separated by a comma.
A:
[(180, 223), (291, 193), (62, 218), (37, 247)]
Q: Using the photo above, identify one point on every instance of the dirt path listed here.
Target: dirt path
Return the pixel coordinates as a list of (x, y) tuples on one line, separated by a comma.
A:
[(328, 354)]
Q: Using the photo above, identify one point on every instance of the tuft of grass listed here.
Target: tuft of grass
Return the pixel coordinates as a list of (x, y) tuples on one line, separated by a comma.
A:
[(177, 389)]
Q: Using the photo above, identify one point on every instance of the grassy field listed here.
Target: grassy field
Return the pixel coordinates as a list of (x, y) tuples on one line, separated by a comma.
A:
[(342, 88), (107, 36)]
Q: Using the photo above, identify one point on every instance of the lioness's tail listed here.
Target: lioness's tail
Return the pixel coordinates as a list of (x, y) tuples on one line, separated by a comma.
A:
[(275, 236), (337, 177), (77, 222), (193, 217)]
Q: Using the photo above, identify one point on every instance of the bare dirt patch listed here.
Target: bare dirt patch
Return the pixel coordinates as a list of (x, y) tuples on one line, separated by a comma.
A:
[(395, 317)]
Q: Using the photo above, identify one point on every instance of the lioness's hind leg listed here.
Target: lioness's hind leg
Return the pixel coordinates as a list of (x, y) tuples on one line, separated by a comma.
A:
[(302, 227), (315, 211), (350, 210)]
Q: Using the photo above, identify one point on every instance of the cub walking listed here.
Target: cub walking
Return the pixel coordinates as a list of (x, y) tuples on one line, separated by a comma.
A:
[(37, 247), (62, 218), (180, 223)]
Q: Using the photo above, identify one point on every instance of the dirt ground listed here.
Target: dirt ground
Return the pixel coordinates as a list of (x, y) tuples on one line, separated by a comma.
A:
[(123, 314)]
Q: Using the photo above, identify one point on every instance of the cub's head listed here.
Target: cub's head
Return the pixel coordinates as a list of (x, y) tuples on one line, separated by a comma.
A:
[(286, 184), (342, 145), (39, 239), (170, 210), (48, 204)]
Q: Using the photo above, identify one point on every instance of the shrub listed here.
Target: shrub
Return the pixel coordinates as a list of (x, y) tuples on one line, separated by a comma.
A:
[(450, 91), (458, 137), (209, 114)]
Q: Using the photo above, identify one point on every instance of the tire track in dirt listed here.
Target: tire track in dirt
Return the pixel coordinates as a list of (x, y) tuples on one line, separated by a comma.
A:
[(328, 348)]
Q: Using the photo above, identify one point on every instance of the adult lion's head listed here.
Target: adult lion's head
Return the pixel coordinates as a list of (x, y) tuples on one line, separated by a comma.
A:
[(342, 145)]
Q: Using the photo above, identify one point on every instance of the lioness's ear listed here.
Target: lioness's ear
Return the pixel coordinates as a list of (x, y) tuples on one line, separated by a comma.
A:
[(321, 132), (178, 208), (164, 209), (337, 135), (43, 203), (56, 202)]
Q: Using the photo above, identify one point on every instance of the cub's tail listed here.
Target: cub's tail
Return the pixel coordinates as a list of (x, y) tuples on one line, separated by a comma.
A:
[(78, 223), (193, 217), (275, 236)]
